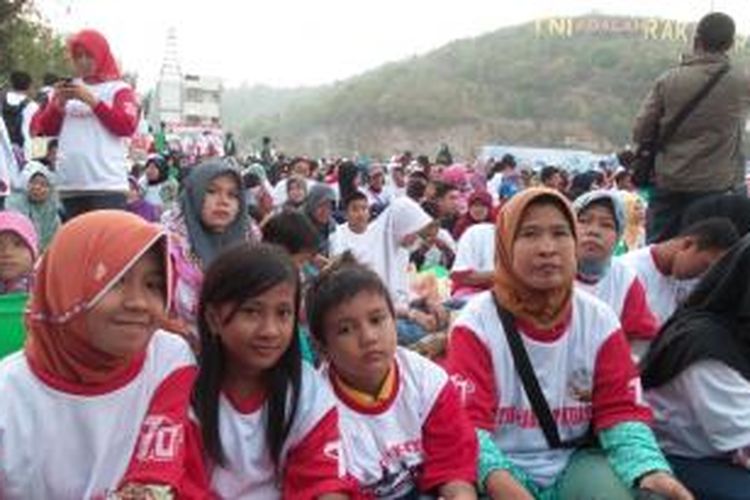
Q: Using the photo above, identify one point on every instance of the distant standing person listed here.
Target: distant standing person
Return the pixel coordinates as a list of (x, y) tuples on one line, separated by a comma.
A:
[(91, 114), (230, 146), (704, 156), (18, 110), (268, 160)]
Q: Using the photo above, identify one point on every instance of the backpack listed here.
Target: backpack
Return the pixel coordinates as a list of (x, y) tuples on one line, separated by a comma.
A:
[(13, 118)]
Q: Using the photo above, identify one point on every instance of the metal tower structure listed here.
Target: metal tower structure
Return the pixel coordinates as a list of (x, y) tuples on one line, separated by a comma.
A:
[(170, 67), (169, 98)]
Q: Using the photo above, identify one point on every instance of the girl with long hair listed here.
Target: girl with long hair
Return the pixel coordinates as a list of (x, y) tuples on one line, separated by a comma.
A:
[(268, 423)]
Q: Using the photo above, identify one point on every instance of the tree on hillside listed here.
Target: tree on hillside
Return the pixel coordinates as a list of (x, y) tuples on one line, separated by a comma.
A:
[(10, 8), (27, 43)]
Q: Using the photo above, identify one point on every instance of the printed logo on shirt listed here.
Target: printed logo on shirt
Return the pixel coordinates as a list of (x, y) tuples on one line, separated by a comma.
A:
[(160, 439), (332, 450), (464, 386), (400, 467), (580, 385), (636, 390), (78, 109), (525, 418)]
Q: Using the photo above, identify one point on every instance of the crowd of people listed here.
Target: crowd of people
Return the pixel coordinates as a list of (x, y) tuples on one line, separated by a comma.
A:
[(288, 327)]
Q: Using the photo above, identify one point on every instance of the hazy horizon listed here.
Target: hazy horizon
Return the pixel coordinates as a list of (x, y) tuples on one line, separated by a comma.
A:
[(293, 43)]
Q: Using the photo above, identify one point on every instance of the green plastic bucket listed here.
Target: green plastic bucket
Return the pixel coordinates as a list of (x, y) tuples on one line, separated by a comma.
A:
[(12, 331), (438, 271)]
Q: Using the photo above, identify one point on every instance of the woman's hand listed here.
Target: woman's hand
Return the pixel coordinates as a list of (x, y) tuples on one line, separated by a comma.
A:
[(133, 491), (76, 91), (59, 96), (502, 486), (666, 485)]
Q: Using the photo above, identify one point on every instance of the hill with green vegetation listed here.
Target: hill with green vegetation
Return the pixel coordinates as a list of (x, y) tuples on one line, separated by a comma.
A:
[(508, 86)]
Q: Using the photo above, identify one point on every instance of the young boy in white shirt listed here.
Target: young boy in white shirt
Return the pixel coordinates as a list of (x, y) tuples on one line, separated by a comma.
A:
[(668, 269), (352, 235)]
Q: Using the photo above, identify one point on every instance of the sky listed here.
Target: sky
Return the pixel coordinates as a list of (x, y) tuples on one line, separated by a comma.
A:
[(288, 43)]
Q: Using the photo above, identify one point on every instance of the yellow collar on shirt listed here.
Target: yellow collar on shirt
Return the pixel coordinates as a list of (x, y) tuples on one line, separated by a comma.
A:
[(365, 399)]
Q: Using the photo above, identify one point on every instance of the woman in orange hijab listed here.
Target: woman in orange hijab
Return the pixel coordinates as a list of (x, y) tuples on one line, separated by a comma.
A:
[(97, 401), (90, 113), (579, 356)]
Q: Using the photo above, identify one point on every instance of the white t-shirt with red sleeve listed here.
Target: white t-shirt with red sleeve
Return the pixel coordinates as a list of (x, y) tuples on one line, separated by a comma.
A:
[(704, 412), (476, 249), (664, 293), (417, 439), (309, 459), (475, 252), (63, 441), (583, 366), (622, 290)]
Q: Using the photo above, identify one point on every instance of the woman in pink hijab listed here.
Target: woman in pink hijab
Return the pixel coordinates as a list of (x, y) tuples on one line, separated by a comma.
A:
[(458, 175)]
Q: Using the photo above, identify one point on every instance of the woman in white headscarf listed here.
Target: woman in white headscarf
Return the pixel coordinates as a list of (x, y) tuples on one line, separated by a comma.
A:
[(393, 234), (38, 201)]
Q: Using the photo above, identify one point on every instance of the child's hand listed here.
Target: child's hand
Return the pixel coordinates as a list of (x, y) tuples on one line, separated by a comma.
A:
[(320, 261), (441, 244)]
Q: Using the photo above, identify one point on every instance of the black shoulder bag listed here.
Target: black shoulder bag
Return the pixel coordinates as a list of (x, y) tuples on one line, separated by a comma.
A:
[(643, 165), (531, 386)]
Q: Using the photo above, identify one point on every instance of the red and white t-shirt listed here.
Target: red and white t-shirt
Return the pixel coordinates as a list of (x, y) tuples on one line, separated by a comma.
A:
[(309, 458), (664, 293), (61, 441), (475, 253), (583, 366), (622, 290), (93, 144), (703, 412), (418, 439)]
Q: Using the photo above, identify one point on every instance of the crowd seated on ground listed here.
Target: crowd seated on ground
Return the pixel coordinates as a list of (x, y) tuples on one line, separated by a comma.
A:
[(399, 328)]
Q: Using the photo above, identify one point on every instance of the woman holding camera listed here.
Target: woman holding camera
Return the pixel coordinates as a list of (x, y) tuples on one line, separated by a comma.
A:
[(92, 114)]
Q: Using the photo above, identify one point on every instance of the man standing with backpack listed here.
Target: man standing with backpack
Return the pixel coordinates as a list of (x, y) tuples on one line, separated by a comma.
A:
[(702, 156), (18, 108)]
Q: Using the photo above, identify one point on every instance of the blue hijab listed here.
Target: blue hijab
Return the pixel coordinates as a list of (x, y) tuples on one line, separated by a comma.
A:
[(204, 243), (594, 270)]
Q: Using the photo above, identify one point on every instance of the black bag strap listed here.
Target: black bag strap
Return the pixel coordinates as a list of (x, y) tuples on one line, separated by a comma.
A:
[(531, 386), (528, 377), (672, 126)]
